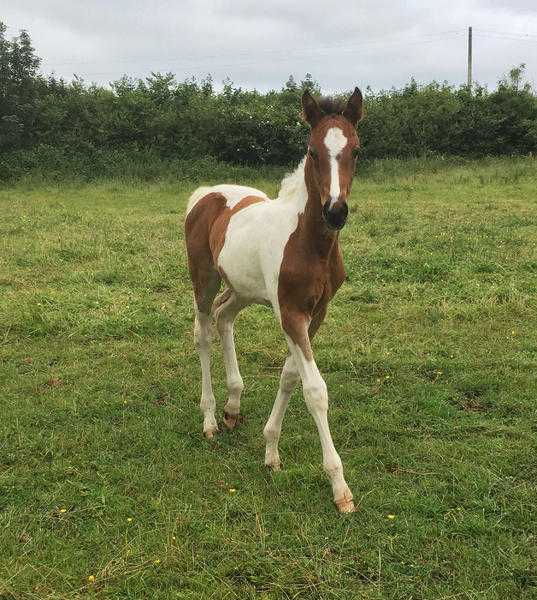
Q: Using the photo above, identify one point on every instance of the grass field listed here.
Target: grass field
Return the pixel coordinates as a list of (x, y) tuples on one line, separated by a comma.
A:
[(107, 488)]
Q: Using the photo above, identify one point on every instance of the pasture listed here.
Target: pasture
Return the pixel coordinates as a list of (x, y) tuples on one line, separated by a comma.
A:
[(429, 351)]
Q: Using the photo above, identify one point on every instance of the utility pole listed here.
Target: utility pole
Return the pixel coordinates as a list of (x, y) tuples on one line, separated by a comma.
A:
[(469, 58)]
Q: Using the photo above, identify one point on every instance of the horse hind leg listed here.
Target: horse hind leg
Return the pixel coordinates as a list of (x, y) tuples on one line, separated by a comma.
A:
[(226, 308), (205, 291)]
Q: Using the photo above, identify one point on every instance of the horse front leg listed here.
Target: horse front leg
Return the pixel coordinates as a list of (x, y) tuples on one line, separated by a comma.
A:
[(315, 392), (288, 380)]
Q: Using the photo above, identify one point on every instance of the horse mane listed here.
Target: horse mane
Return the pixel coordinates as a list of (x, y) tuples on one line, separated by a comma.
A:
[(331, 106), (293, 186)]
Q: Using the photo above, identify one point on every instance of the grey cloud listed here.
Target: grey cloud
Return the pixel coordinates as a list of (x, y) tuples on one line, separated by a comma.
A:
[(256, 44)]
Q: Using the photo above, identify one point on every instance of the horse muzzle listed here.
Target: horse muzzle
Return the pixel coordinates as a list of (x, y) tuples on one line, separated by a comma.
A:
[(335, 216)]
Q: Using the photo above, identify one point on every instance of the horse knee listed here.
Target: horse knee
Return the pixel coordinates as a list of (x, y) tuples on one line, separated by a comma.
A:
[(271, 432), (289, 376), (289, 379), (316, 396)]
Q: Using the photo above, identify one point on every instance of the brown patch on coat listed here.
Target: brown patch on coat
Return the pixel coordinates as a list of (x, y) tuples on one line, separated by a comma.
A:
[(198, 224), (205, 233), (310, 274)]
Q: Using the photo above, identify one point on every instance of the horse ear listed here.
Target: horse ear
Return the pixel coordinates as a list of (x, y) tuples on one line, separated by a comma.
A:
[(310, 109), (353, 111)]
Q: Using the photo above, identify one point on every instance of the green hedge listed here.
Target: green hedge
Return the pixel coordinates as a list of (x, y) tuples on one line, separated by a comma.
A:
[(142, 126)]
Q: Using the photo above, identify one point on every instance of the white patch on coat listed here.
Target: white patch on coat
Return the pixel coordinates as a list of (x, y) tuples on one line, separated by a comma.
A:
[(232, 193), (255, 241), (335, 141)]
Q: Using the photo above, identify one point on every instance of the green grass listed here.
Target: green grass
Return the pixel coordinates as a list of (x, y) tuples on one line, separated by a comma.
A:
[(107, 488)]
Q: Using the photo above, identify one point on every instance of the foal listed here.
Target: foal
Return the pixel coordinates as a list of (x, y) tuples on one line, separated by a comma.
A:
[(284, 253)]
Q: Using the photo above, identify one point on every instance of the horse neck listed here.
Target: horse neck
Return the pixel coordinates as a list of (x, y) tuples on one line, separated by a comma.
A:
[(312, 228)]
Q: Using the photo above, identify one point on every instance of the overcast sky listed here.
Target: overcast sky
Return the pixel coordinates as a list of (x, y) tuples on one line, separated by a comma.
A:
[(259, 44)]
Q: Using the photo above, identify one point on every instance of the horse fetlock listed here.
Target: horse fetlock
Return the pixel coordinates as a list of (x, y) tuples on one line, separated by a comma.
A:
[(333, 467), (235, 386)]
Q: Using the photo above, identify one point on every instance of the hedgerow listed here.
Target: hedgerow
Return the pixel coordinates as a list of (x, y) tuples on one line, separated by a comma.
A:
[(143, 127)]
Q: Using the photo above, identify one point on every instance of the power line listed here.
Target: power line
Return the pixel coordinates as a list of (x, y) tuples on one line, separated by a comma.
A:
[(494, 36), (522, 34)]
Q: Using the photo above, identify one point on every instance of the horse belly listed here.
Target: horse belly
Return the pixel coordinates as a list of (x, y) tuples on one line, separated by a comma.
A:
[(239, 264)]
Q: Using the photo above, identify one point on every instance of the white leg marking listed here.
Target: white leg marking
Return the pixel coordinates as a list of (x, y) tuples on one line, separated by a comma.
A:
[(334, 141), (225, 316), (288, 380), (202, 338), (316, 397)]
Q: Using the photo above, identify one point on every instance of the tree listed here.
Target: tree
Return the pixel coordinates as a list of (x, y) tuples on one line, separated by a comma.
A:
[(19, 86)]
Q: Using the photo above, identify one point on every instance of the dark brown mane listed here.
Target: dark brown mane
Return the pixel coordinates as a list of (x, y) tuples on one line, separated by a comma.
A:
[(331, 106)]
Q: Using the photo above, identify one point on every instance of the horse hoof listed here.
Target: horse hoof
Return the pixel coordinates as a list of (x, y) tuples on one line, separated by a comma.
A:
[(230, 421), (274, 466), (209, 433), (345, 504)]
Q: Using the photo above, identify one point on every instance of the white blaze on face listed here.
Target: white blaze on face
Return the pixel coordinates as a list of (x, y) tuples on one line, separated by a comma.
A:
[(334, 141)]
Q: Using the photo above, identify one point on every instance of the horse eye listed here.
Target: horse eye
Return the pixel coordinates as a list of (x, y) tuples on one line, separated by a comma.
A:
[(355, 151), (313, 153)]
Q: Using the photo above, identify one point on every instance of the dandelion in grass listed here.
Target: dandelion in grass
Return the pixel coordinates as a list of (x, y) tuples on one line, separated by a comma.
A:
[(391, 517)]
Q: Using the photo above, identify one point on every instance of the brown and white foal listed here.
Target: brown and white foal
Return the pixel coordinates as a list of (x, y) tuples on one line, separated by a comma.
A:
[(284, 253)]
